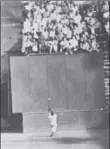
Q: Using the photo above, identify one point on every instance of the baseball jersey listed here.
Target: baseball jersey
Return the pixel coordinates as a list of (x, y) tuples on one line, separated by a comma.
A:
[(53, 119)]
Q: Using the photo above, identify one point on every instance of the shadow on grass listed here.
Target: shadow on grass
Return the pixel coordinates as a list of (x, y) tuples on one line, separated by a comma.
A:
[(103, 135), (102, 143), (67, 140)]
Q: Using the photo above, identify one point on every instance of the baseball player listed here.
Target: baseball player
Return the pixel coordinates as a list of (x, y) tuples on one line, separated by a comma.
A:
[(53, 121)]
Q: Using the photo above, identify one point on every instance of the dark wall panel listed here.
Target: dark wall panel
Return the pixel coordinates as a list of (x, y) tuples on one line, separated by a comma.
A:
[(4, 99), (94, 81), (99, 88), (38, 84), (76, 82), (57, 82), (4, 68), (20, 84), (4, 84)]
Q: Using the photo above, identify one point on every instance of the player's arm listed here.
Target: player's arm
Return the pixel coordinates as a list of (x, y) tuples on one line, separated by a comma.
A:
[(49, 115)]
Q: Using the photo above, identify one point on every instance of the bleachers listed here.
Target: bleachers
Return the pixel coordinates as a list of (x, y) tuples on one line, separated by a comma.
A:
[(63, 26)]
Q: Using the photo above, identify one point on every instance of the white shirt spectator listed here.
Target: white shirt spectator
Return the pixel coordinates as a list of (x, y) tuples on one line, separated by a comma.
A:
[(77, 19), (27, 7), (26, 26), (93, 30), (55, 46), (50, 44), (45, 34), (90, 14), (72, 15), (107, 27), (75, 9), (78, 29), (106, 15), (52, 34), (106, 6), (42, 11), (23, 47), (58, 17), (44, 21), (77, 37), (31, 4), (79, 2), (59, 26), (69, 33), (36, 9), (74, 42), (62, 21), (35, 35), (23, 2), (39, 18), (65, 30), (59, 2), (53, 16), (65, 43), (94, 45), (35, 25), (37, 15), (28, 43), (71, 7), (50, 7), (86, 46), (34, 48), (60, 36), (92, 21), (58, 9), (70, 44)]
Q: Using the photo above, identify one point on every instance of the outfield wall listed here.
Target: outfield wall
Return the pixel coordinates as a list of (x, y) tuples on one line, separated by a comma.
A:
[(73, 82)]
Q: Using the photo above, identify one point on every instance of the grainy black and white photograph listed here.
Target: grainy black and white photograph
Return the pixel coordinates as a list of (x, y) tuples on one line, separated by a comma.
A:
[(55, 74)]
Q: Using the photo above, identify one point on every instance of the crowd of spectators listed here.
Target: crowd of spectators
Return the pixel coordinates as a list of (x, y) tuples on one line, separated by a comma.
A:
[(63, 26)]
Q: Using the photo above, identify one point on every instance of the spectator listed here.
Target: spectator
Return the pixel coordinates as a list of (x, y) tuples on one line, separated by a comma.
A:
[(61, 26)]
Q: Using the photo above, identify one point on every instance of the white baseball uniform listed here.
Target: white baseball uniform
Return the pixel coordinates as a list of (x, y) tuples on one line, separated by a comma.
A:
[(53, 122)]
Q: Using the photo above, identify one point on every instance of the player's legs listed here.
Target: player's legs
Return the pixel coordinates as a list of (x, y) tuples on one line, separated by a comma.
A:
[(54, 129)]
